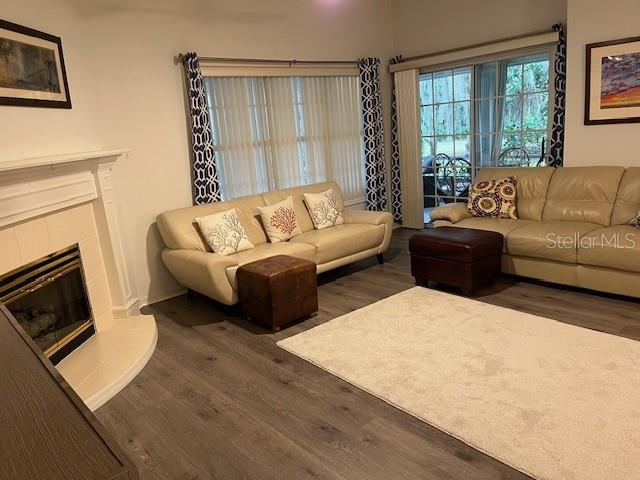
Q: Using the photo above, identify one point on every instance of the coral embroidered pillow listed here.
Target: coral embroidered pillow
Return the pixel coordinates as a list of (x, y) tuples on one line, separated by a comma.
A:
[(323, 208), (494, 198), (636, 220), (280, 221), (224, 232)]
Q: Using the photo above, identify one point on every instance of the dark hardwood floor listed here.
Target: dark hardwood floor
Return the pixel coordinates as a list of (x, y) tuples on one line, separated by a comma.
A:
[(219, 400)]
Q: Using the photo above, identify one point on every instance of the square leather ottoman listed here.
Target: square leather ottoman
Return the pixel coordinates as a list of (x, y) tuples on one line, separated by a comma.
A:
[(460, 257), (278, 290)]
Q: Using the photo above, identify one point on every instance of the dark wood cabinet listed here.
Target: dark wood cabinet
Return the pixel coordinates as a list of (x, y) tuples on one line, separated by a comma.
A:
[(46, 431)]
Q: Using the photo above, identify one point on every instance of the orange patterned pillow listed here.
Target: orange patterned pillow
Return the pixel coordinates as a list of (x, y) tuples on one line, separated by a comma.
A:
[(494, 198)]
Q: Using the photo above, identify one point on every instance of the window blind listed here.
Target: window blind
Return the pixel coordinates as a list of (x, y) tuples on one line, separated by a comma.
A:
[(276, 132)]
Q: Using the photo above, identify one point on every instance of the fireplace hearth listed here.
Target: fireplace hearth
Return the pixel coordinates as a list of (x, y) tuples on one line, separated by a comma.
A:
[(49, 299)]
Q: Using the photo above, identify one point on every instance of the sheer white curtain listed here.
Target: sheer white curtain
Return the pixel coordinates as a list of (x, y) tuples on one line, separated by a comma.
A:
[(333, 131), (277, 132)]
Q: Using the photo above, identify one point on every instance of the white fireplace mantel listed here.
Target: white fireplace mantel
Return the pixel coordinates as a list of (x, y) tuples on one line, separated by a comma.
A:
[(34, 187), (37, 191), (53, 160)]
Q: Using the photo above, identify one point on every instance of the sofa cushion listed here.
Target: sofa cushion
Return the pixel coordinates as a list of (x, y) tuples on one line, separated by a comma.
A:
[(613, 247), (299, 250), (280, 220), (557, 241), (302, 214), (503, 226), (342, 240), (179, 229), (224, 232), (324, 210), (533, 184), (494, 198), (583, 194), (628, 199)]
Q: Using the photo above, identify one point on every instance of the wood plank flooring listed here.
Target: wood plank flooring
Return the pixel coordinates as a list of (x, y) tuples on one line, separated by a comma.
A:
[(219, 400)]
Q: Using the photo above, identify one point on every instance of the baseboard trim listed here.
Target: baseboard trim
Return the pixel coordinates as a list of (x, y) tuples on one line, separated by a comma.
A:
[(131, 308), (160, 297)]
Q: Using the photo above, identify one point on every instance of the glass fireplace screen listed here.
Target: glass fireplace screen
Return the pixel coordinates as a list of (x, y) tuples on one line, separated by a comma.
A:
[(49, 299)]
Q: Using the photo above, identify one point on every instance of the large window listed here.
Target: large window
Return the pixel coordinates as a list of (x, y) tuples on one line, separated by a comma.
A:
[(487, 114), (276, 132)]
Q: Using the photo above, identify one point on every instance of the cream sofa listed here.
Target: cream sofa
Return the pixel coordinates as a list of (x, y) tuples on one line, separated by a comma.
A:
[(573, 227), (189, 259)]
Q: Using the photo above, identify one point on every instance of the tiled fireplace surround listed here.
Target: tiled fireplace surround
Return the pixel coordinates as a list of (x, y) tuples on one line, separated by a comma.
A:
[(50, 203)]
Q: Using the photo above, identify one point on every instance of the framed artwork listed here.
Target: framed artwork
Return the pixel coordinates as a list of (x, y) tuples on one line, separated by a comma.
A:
[(612, 93), (32, 71)]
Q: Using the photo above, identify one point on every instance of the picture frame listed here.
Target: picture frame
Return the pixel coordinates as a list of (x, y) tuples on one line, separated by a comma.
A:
[(612, 82), (32, 69)]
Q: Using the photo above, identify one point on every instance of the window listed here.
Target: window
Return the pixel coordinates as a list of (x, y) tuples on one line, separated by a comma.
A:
[(276, 132), (492, 114)]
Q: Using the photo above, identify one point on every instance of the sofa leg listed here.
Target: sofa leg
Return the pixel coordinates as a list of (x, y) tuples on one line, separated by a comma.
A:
[(380, 258)]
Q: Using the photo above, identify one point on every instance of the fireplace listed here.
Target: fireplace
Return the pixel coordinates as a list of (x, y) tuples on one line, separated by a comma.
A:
[(48, 297), (50, 204)]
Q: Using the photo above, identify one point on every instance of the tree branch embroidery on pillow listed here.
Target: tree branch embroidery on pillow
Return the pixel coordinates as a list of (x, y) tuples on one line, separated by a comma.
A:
[(327, 211), (280, 220), (284, 219), (227, 236)]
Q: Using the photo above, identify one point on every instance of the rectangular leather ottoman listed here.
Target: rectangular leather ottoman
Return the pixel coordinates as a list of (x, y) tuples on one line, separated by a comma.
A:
[(278, 290), (460, 257)]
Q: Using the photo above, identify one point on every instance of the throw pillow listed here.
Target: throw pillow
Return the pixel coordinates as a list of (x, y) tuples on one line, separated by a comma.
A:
[(636, 220), (323, 208), (494, 198), (224, 232), (280, 221)]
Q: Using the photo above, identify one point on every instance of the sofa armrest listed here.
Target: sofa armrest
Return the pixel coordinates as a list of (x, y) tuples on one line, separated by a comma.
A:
[(366, 216), (204, 272), (372, 218), (453, 212)]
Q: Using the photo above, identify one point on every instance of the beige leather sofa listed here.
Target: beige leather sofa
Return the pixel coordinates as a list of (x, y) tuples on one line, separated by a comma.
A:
[(573, 227), (189, 259)]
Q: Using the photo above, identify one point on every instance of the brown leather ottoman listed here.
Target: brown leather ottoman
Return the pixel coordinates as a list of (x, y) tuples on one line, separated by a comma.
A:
[(278, 290), (460, 257)]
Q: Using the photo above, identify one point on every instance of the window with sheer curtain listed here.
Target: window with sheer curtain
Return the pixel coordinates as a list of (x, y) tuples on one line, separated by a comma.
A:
[(277, 132)]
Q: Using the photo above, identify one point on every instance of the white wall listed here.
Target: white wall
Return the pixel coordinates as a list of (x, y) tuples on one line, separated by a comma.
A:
[(128, 93), (30, 132), (592, 21), (425, 26)]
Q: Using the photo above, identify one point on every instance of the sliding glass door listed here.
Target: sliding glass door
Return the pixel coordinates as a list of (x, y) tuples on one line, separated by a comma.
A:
[(490, 114)]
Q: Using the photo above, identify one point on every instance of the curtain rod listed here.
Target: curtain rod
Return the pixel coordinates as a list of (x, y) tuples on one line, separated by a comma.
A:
[(476, 45), (181, 57)]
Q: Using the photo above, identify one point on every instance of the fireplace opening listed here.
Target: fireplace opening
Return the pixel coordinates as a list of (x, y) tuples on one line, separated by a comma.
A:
[(49, 299)]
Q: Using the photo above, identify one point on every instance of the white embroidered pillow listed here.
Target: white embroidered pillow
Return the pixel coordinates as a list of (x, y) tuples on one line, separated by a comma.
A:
[(224, 232), (280, 221), (323, 208), (636, 220)]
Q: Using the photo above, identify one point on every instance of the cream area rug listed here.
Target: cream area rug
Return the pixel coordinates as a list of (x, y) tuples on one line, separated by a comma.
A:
[(552, 400)]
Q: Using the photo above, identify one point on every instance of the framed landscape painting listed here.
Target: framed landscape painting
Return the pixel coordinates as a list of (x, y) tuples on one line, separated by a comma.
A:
[(612, 92), (32, 71)]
